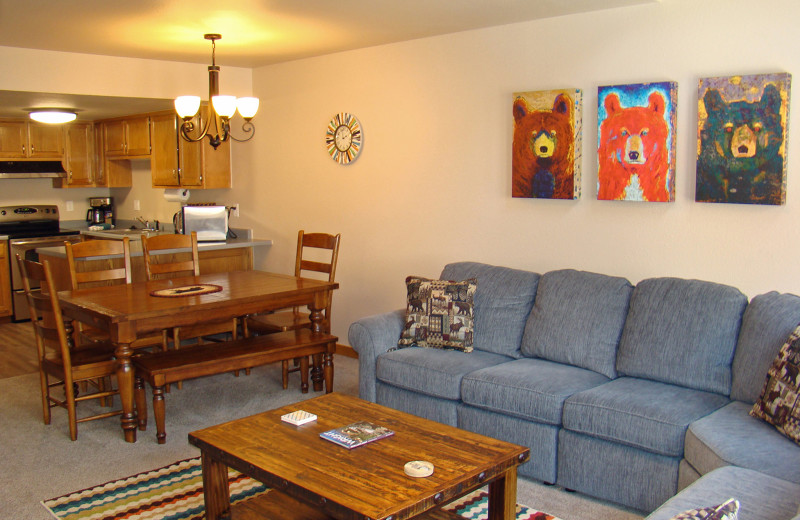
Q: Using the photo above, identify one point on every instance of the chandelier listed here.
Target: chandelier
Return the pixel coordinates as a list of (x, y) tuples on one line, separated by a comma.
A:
[(216, 123)]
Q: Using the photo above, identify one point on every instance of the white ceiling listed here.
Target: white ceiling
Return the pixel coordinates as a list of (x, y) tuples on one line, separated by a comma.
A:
[(254, 32)]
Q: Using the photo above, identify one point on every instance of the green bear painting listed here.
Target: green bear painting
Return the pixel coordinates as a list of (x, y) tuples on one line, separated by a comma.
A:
[(742, 133)]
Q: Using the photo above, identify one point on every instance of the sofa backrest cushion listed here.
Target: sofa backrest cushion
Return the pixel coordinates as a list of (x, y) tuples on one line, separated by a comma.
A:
[(682, 332), (767, 322), (577, 319), (502, 302)]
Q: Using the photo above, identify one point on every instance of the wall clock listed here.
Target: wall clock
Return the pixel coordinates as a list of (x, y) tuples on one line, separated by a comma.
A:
[(343, 138)]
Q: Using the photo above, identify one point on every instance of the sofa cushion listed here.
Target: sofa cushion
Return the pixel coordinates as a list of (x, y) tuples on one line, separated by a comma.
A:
[(434, 372), (438, 314), (729, 436), (779, 400), (503, 300), (767, 322), (682, 332), (644, 414), (577, 318), (761, 497), (533, 389)]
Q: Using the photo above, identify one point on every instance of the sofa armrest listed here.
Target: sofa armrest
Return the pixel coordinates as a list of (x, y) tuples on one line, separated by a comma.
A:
[(371, 337)]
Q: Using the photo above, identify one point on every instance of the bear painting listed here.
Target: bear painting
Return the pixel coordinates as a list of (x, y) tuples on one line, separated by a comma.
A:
[(741, 134), (545, 160), (636, 142)]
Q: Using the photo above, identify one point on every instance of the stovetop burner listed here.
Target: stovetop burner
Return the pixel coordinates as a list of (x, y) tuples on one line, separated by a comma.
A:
[(31, 221)]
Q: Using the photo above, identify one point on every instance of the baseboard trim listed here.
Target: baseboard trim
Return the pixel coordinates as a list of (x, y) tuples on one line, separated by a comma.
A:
[(346, 350)]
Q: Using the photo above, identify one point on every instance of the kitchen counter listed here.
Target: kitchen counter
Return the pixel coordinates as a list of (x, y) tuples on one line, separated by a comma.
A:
[(215, 257)]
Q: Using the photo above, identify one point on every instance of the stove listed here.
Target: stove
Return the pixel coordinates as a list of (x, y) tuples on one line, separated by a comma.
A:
[(28, 228)]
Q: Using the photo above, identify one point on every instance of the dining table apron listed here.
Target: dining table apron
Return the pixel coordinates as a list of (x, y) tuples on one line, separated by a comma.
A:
[(132, 310)]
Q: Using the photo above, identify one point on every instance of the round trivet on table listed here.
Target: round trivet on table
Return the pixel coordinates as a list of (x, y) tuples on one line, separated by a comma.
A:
[(187, 290)]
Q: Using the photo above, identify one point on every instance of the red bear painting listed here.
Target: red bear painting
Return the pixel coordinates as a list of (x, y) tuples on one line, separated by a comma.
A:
[(636, 142), (546, 144)]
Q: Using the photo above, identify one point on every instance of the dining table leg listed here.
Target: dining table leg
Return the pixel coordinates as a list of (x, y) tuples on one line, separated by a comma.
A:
[(125, 377), (317, 319)]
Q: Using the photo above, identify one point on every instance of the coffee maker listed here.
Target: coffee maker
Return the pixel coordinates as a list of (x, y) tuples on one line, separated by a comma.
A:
[(101, 211)]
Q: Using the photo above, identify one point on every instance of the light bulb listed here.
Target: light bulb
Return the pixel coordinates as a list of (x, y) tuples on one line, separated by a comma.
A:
[(225, 106), (187, 106), (248, 106)]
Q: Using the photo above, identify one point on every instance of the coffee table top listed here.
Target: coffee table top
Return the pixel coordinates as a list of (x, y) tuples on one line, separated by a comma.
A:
[(367, 481)]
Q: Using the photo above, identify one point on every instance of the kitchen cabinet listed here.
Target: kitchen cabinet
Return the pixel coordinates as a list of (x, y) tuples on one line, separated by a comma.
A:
[(127, 137), (177, 163), (21, 139), (5, 281), (79, 160)]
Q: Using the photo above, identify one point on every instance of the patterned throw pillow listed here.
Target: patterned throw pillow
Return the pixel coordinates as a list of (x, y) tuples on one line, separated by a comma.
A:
[(726, 511), (439, 314), (780, 397)]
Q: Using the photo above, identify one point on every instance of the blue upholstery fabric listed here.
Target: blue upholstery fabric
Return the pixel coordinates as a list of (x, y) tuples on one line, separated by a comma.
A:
[(644, 414), (682, 332), (503, 300), (577, 318), (542, 439), (730, 436), (627, 476), (767, 322), (532, 389), (760, 497), (431, 371), (433, 408), (371, 337)]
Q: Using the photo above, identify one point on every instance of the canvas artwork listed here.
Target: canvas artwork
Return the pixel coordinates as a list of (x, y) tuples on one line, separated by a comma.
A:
[(546, 148), (636, 142), (741, 139)]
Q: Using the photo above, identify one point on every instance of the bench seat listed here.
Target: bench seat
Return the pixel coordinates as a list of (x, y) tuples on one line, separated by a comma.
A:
[(162, 368)]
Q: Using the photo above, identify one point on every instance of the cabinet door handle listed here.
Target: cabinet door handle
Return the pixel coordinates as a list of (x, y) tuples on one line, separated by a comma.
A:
[(23, 148)]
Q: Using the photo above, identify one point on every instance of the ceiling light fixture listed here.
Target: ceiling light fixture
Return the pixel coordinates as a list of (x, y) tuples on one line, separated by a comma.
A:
[(220, 109), (53, 116)]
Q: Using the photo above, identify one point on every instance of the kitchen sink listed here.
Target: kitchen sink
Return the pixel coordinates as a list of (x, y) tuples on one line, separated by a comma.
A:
[(133, 234)]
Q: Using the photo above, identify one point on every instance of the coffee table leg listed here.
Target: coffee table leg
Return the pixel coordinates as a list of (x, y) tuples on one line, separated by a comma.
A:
[(503, 496), (215, 489)]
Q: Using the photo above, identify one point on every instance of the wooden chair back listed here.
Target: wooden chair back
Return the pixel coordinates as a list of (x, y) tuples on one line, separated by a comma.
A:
[(158, 263), (329, 245), (102, 270), (45, 310)]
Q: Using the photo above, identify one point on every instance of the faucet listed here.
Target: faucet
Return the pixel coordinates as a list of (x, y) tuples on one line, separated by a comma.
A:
[(145, 223)]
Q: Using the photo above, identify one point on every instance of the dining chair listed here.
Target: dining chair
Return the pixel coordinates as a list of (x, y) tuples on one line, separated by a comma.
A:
[(317, 253), (95, 263), (67, 366), (162, 259)]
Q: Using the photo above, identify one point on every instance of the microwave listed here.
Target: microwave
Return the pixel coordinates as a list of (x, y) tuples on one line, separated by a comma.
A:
[(209, 222)]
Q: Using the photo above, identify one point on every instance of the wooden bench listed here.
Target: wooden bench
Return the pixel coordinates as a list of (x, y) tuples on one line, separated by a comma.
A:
[(162, 368)]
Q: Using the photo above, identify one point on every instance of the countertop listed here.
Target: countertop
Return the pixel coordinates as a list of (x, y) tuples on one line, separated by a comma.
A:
[(136, 245)]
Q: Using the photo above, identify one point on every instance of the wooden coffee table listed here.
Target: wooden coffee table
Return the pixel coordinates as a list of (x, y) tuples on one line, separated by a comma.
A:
[(314, 479)]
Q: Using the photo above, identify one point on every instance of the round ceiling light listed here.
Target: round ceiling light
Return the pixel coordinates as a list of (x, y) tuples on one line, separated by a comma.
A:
[(53, 116)]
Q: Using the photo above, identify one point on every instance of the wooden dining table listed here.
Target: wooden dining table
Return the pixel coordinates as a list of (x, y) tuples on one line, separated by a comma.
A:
[(132, 310)]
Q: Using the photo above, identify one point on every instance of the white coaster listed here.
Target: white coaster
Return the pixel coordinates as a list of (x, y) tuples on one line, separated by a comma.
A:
[(299, 417), (418, 468)]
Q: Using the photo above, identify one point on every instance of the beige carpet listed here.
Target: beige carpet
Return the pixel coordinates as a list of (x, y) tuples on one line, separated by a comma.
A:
[(40, 462)]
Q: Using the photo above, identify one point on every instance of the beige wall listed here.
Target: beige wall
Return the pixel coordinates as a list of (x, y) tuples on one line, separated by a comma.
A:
[(433, 182)]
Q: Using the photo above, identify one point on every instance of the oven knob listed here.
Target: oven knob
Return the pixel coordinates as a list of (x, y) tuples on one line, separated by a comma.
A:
[(3, 212)]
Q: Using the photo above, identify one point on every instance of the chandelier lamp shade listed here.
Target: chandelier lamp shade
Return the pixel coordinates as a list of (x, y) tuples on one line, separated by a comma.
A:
[(53, 116), (216, 123)]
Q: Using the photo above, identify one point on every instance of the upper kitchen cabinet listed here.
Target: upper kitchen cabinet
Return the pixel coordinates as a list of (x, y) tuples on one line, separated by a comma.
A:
[(30, 140), (79, 160), (127, 137), (177, 163)]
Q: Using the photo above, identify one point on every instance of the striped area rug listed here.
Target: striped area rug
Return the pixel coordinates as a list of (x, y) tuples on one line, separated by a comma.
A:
[(175, 492)]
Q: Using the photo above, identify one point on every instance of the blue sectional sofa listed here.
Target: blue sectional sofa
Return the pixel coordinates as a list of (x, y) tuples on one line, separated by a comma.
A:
[(622, 392)]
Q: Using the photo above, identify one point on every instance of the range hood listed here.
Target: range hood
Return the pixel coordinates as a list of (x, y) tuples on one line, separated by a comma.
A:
[(31, 169)]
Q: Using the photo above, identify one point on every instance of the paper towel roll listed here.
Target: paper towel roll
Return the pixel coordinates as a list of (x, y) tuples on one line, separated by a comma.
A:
[(176, 195)]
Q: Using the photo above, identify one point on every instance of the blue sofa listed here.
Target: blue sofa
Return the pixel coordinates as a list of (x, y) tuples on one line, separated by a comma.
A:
[(625, 393)]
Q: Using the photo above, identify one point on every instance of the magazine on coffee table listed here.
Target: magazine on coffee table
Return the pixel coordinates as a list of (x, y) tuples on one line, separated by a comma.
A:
[(356, 434)]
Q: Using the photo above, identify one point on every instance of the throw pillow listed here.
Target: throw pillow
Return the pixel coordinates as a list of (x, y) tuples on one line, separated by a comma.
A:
[(439, 314), (780, 397), (728, 510)]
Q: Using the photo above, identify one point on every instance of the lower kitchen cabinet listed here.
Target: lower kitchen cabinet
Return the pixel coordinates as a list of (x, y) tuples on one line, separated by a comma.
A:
[(5, 281)]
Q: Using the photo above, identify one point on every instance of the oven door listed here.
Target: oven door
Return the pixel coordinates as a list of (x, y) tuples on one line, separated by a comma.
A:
[(26, 249)]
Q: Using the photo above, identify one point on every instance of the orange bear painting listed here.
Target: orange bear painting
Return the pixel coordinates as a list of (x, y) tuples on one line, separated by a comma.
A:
[(636, 142), (546, 146)]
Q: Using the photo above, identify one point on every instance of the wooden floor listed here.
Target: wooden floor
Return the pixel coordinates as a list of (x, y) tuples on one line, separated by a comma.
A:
[(17, 349)]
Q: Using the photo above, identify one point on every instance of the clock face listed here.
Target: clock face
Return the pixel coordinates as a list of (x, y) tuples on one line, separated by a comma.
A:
[(343, 138)]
